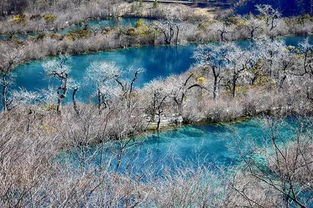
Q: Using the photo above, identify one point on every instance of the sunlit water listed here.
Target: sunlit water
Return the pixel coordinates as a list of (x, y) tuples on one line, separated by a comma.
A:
[(157, 61), (193, 146)]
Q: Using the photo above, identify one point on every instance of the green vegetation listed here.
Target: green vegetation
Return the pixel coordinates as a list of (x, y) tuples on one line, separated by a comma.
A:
[(49, 17), (20, 18), (77, 34)]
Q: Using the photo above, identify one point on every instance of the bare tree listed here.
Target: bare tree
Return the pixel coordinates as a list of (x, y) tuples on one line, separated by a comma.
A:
[(238, 60), (307, 51), (127, 86), (180, 89), (158, 94), (253, 26), (59, 69)]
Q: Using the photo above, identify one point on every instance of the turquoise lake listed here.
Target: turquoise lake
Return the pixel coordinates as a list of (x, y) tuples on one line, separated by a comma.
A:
[(157, 61), (194, 146)]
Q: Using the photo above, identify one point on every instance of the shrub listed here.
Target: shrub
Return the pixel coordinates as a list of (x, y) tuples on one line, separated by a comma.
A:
[(235, 20), (18, 18), (201, 80), (35, 17), (49, 17), (303, 18), (141, 29), (155, 3), (78, 34)]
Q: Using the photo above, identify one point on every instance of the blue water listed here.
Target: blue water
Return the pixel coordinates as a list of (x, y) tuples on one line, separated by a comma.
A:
[(157, 61), (195, 146), (94, 25)]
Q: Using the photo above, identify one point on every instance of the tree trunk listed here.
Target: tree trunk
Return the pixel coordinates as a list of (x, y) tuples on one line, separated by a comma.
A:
[(74, 101), (234, 83), (215, 88), (215, 83), (59, 105), (159, 121), (4, 96), (99, 100)]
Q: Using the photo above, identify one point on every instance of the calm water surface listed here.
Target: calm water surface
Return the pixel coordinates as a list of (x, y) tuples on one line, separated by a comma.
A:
[(189, 146)]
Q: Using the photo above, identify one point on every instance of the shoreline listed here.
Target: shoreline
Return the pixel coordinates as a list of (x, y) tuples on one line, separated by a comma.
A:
[(136, 46), (172, 126)]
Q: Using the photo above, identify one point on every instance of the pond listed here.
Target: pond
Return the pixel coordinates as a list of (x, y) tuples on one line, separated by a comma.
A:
[(194, 146), (157, 61)]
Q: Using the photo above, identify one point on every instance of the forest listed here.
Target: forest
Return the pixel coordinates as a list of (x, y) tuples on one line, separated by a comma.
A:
[(113, 103)]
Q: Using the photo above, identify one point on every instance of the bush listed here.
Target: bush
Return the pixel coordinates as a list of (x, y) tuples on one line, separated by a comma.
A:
[(49, 17), (235, 20), (155, 3), (35, 17), (78, 34), (18, 18), (141, 29)]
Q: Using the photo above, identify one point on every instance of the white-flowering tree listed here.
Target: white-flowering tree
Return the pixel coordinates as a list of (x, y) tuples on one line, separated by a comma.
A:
[(270, 15), (222, 30), (211, 57), (254, 26), (180, 86), (306, 63), (59, 69), (104, 75), (271, 51), (237, 63), (24, 97), (307, 51), (281, 63), (158, 93)]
